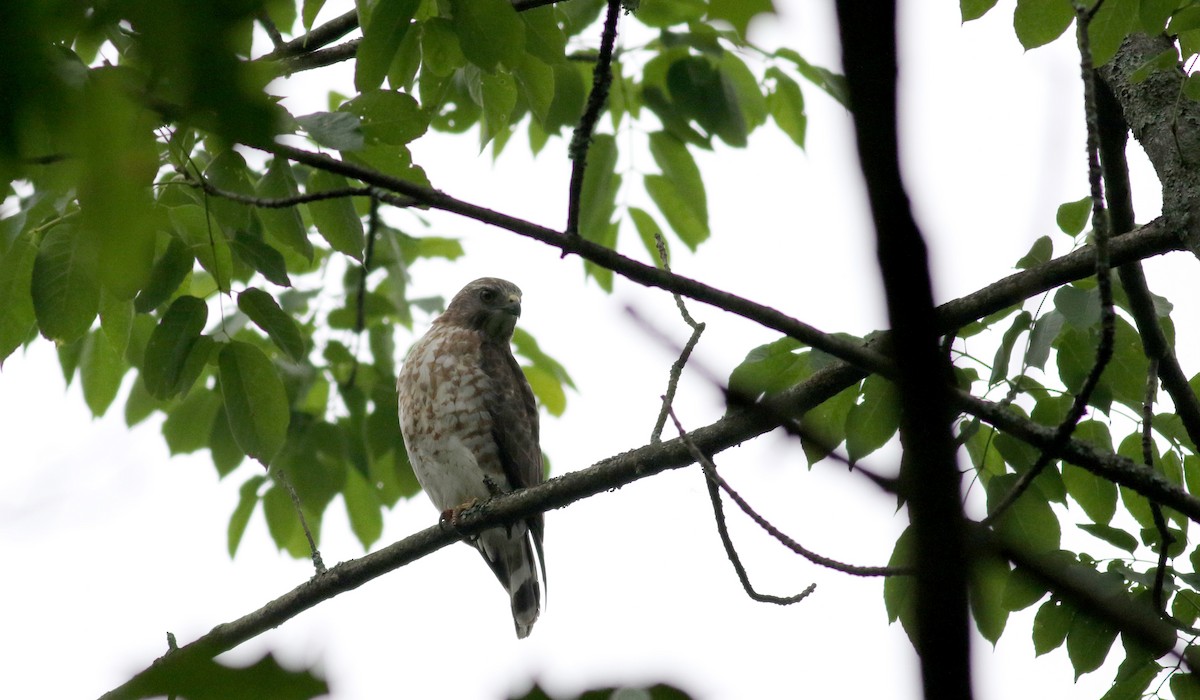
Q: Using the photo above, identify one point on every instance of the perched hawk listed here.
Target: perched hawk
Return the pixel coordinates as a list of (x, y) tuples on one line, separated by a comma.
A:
[(470, 425)]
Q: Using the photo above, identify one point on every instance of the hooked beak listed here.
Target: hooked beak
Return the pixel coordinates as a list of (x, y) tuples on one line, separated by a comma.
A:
[(514, 305)]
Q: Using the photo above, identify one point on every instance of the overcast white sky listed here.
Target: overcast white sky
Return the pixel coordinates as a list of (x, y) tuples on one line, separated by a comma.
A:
[(111, 543)]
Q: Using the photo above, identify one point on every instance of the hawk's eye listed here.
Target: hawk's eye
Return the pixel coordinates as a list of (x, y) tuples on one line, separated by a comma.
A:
[(487, 295)]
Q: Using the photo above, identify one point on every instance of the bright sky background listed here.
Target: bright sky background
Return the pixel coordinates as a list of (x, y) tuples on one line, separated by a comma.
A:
[(110, 543)]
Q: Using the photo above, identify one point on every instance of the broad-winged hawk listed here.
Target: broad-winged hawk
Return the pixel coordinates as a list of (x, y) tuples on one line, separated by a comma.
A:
[(470, 425)]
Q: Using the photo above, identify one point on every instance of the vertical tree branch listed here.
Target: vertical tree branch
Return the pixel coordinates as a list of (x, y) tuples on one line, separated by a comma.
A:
[(1101, 230), (601, 80), (1114, 134), (929, 472)]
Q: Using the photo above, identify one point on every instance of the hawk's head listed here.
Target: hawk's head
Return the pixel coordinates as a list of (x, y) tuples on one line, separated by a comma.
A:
[(489, 305)]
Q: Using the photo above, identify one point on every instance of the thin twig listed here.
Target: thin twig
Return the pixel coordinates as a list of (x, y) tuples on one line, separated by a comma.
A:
[(318, 562), (1100, 230), (677, 367), (582, 139), (741, 401), (716, 481), (723, 530), (323, 35), (272, 31)]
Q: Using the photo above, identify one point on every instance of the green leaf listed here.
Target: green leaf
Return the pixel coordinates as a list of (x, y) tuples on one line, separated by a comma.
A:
[(1133, 677), (1029, 520), (118, 160), (1088, 643), (340, 131), (1039, 22), (744, 93), (309, 12), (769, 369), (598, 200), (1114, 536), (255, 401), (17, 317), (989, 577), (1019, 325), (388, 116), (280, 512), (874, 421), (382, 35), (739, 12), (336, 219), (498, 97), (1039, 254), (1022, 590), (786, 105), (440, 51), (265, 312), (206, 679), (284, 224), (1109, 27), (66, 291), (247, 500), (832, 83), (702, 92), (101, 369), (229, 172), (226, 455), (1185, 686), (1050, 626), (528, 348), (1041, 338), (259, 255), (168, 273), (363, 508), (402, 72), (547, 389), (974, 9), (685, 219), (189, 423), (1154, 14), (1072, 217), (535, 85), (899, 595), (1097, 496), (569, 95), (489, 32), (825, 425), (1079, 307), (679, 167), (170, 344), (205, 241), (665, 13), (544, 38), (116, 321)]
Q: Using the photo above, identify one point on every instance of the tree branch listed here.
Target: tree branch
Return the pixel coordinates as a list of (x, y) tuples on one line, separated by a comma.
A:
[(929, 472), (714, 481), (582, 138), (1101, 231), (1114, 134), (613, 473), (1152, 239)]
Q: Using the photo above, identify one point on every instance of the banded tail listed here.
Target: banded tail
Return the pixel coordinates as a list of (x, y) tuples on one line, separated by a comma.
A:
[(509, 553)]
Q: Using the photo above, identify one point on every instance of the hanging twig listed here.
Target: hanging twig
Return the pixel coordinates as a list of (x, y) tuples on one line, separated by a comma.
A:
[(676, 368)]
